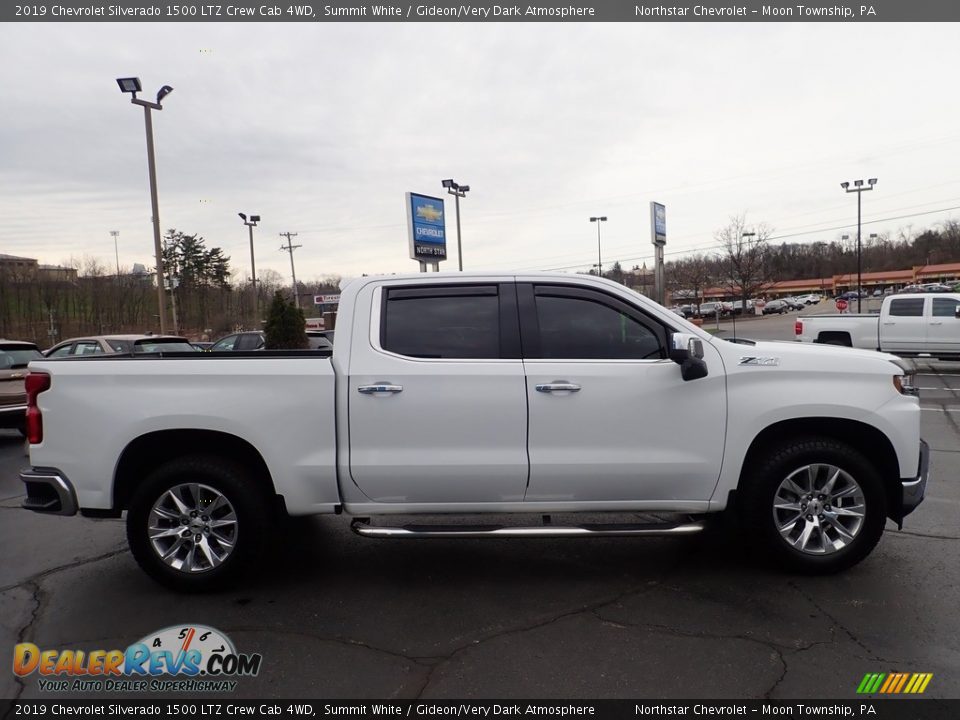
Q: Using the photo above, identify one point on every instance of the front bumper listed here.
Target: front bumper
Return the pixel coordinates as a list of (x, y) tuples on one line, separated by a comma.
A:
[(915, 487), (48, 491)]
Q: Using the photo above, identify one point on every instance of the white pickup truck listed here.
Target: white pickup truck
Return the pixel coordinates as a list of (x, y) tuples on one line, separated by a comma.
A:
[(915, 325), (452, 394)]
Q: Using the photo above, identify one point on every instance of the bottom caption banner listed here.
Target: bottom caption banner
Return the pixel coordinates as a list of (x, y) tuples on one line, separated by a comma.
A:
[(882, 709)]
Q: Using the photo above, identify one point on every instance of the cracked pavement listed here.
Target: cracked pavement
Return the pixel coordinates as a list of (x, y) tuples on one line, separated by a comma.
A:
[(339, 616)]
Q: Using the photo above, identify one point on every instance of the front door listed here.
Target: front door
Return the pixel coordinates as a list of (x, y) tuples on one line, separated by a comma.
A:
[(943, 330), (611, 419)]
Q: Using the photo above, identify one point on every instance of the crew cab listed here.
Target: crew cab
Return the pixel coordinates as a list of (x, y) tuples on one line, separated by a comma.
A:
[(482, 395), (917, 325)]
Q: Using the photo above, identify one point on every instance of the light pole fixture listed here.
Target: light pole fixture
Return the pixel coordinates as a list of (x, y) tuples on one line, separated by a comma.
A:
[(458, 191), (859, 189), (599, 219), (251, 224), (132, 85)]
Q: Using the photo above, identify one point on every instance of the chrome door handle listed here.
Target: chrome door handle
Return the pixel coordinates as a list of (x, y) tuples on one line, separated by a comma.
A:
[(371, 389), (558, 387)]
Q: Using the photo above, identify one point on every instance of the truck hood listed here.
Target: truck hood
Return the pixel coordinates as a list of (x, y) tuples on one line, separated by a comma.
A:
[(812, 356)]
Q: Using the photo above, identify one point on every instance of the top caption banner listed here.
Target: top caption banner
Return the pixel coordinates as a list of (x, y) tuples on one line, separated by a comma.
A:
[(555, 11)]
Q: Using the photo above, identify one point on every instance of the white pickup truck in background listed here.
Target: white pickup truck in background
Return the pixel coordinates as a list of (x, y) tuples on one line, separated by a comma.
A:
[(448, 394), (911, 325)]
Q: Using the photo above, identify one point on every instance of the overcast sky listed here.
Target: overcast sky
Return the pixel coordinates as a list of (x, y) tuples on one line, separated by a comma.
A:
[(322, 128)]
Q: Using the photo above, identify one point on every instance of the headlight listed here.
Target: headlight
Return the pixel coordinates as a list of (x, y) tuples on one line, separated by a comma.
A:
[(906, 384)]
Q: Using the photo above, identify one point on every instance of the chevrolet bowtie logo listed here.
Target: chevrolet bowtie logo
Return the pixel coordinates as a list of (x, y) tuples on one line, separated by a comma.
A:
[(429, 212)]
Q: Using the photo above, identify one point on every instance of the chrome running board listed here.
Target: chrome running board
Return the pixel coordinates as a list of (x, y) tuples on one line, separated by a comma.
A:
[(362, 526)]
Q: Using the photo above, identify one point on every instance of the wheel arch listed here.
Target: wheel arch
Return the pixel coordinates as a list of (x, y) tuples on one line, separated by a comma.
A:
[(870, 442), (835, 337), (151, 450)]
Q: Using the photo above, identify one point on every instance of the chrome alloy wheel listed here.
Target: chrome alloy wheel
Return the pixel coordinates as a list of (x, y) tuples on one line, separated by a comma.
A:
[(819, 509), (193, 528)]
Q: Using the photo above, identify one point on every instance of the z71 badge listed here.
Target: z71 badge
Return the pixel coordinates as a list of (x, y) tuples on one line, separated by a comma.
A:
[(757, 360)]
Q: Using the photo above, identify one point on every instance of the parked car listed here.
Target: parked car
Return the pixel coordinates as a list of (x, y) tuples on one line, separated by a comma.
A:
[(936, 288), (794, 303), (688, 311), (878, 293), (256, 340), (811, 299), (710, 309), (813, 448), (114, 344), (776, 306), (14, 357), (852, 295), (917, 324), (737, 307), (907, 289)]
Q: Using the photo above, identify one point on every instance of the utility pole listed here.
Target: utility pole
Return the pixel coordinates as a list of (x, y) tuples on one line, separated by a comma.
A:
[(290, 247), (116, 249)]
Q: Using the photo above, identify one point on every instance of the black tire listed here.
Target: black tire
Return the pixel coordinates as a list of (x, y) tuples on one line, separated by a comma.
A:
[(251, 506), (759, 487)]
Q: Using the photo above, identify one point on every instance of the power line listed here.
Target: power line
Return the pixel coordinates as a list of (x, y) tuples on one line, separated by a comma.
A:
[(772, 237)]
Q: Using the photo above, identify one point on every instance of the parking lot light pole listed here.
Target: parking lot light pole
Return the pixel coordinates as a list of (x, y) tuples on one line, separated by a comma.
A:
[(458, 191), (598, 220), (251, 224), (859, 189), (132, 85)]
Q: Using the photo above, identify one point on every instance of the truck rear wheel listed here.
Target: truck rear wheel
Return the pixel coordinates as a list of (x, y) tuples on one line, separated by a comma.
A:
[(196, 523), (814, 505)]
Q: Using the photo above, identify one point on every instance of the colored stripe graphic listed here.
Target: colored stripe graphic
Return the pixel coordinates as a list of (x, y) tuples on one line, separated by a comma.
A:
[(894, 683)]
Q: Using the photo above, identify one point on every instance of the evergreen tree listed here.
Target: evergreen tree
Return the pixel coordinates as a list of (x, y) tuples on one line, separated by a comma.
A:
[(286, 326)]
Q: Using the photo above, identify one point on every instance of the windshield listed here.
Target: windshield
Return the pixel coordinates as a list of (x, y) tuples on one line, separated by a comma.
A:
[(19, 356)]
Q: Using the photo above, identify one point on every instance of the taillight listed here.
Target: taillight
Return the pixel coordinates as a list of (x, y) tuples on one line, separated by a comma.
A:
[(36, 383), (798, 327)]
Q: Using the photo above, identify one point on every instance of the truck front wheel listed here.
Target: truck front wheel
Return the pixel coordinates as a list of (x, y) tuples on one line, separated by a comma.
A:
[(196, 523), (814, 504)]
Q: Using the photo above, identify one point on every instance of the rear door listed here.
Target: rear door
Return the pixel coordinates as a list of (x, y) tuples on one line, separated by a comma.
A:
[(437, 402), (904, 326), (943, 330), (611, 419)]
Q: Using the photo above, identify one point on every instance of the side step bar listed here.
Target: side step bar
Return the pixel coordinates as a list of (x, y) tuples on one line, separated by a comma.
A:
[(362, 526)]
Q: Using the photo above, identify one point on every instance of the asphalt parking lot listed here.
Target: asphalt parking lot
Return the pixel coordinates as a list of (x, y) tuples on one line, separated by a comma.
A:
[(338, 616)]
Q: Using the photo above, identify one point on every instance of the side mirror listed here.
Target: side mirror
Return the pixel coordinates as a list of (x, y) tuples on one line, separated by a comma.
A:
[(956, 311), (687, 351)]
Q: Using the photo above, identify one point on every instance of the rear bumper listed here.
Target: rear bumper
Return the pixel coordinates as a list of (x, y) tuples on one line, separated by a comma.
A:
[(48, 491), (915, 487)]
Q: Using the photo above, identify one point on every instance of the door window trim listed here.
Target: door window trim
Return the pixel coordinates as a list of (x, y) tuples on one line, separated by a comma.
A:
[(530, 325), (508, 319)]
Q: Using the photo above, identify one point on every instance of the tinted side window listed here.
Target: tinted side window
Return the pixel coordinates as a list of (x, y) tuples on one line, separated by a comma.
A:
[(944, 307), (576, 328), (462, 324), (908, 307), (250, 341)]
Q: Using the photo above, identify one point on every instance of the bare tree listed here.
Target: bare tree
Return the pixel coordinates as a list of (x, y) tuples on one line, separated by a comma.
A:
[(743, 258), (690, 275)]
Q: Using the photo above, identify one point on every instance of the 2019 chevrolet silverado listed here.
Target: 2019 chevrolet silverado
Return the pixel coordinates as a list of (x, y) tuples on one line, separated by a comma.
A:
[(481, 394)]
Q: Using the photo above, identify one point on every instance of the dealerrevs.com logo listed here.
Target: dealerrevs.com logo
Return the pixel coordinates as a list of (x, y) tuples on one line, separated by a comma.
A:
[(179, 658)]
